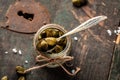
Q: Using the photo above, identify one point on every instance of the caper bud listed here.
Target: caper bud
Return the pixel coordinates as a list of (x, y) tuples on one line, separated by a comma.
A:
[(62, 42), (42, 45), (4, 78), (55, 33), (51, 41), (20, 70), (39, 37), (57, 49), (43, 34), (21, 78), (49, 32), (60, 33), (79, 3)]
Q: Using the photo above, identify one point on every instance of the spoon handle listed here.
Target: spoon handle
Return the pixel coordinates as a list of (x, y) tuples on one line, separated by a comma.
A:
[(87, 24)]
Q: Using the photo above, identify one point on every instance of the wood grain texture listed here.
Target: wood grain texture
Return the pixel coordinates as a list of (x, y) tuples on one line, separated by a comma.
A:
[(115, 69), (92, 51)]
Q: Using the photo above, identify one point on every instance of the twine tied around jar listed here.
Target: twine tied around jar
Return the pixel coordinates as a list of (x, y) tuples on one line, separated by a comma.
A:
[(53, 61)]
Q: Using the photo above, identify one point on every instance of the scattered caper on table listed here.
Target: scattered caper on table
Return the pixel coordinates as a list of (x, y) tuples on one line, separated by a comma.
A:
[(20, 70), (79, 3), (4, 78), (21, 78)]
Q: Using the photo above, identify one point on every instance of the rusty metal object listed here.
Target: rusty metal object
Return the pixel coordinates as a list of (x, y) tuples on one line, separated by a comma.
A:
[(27, 16)]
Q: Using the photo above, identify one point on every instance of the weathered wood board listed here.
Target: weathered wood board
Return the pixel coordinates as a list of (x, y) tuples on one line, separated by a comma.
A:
[(115, 65), (92, 52)]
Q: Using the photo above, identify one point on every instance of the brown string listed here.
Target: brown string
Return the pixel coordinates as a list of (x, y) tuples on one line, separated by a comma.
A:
[(36, 67), (40, 56), (43, 58), (72, 74), (56, 60)]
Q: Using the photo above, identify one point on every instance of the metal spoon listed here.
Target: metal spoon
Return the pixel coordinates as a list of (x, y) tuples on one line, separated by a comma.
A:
[(87, 24)]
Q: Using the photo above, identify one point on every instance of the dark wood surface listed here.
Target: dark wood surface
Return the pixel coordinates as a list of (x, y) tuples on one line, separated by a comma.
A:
[(115, 69), (93, 52)]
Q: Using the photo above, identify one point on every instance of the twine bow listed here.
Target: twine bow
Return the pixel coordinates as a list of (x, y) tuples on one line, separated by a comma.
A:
[(49, 61)]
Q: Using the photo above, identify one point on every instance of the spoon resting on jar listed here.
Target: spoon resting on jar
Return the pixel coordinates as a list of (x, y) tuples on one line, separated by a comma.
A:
[(87, 24)]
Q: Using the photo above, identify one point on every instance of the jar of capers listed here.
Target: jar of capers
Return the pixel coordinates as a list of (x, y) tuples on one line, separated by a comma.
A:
[(45, 41)]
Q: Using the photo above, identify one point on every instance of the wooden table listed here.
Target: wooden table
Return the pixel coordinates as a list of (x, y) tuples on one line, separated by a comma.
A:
[(94, 51)]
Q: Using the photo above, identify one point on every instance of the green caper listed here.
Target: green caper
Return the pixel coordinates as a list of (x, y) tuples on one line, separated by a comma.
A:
[(4, 78), (49, 32), (60, 33), (39, 37), (57, 49), (43, 34), (21, 78), (42, 45), (20, 70), (62, 42), (51, 41), (55, 33), (79, 3)]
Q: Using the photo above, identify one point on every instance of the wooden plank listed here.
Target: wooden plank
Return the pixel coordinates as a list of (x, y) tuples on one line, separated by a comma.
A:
[(92, 51), (115, 66)]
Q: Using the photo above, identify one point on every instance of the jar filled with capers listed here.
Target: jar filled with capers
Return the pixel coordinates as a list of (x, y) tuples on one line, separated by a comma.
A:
[(45, 41)]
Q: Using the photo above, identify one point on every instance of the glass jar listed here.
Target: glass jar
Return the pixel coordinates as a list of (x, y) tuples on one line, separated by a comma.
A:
[(63, 53)]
